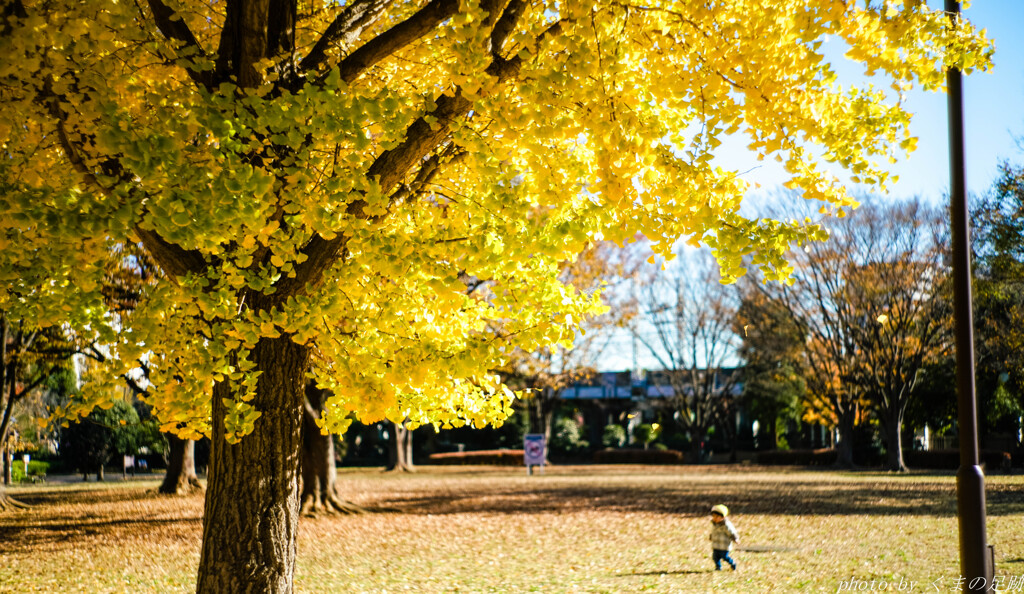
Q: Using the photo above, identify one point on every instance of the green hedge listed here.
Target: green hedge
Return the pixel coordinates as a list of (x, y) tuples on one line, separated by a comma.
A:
[(494, 457), (930, 460), (950, 459), (637, 456), (36, 469), (818, 457)]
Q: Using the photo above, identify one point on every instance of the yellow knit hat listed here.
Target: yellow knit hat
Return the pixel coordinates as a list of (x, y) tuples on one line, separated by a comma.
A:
[(720, 509)]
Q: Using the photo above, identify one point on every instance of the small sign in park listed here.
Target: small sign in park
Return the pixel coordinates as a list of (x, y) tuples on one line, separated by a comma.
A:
[(533, 451)]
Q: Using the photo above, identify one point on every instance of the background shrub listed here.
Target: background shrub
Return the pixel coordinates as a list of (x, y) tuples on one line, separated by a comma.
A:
[(36, 468), (950, 459), (637, 456), (818, 457), (613, 436), (496, 457), (567, 437), (645, 434)]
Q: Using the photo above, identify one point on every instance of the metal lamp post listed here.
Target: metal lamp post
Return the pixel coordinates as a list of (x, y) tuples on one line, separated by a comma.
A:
[(975, 557)]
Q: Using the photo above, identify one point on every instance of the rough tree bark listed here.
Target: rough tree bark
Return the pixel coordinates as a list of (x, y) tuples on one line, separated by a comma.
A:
[(894, 442), (181, 478), (844, 449), (8, 470), (7, 503), (319, 485), (252, 505), (698, 445), (400, 449)]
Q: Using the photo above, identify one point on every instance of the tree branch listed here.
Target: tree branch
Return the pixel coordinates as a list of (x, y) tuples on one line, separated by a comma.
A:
[(345, 29), (173, 259), (396, 38), (428, 171), (173, 27), (134, 385), (391, 167), (243, 41), (26, 390), (505, 25)]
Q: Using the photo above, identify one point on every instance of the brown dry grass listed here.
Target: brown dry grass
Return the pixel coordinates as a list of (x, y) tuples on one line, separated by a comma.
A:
[(573, 529)]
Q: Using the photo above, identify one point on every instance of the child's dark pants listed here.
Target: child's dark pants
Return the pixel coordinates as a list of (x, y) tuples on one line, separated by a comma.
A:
[(719, 555)]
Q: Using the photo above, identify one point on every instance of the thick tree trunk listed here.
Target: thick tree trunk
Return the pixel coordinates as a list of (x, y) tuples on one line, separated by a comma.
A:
[(6, 503), (894, 442), (844, 449), (99, 473), (5, 422), (730, 424), (547, 420), (251, 515), (181, 476), (400, 449), (697, 446), (734, 450), (319, 484)]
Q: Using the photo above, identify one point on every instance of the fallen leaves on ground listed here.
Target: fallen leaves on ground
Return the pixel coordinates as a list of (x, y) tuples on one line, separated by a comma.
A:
[(571, 529)]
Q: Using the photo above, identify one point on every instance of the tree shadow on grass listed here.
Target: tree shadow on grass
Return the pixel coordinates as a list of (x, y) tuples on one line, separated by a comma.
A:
[(86, 496), (58, 517), (695, 498), (31, 536), (766, 549), (660, 573)]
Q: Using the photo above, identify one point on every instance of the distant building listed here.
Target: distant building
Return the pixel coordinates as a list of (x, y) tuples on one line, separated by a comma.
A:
[(631, 398), (642, 385)]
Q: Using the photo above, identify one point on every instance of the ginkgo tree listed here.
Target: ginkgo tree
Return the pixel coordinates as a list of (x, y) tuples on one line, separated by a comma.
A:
[(318, 180)]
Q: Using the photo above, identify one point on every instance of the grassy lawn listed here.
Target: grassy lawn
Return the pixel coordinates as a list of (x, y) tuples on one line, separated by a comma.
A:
[(573, 529)]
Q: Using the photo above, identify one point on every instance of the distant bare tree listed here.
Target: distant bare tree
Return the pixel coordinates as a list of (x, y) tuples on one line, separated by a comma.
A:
[(684, 318)]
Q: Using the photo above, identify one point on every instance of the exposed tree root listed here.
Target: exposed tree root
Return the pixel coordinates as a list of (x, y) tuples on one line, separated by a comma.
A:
[(185, 485), (314, 504), (10, 504)]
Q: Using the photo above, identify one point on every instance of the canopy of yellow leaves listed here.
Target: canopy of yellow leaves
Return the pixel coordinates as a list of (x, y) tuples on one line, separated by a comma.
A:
[(587, 120)]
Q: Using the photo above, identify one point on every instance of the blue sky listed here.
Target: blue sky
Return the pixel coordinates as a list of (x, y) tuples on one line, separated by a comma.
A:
[(994, 117), (994, 120)]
